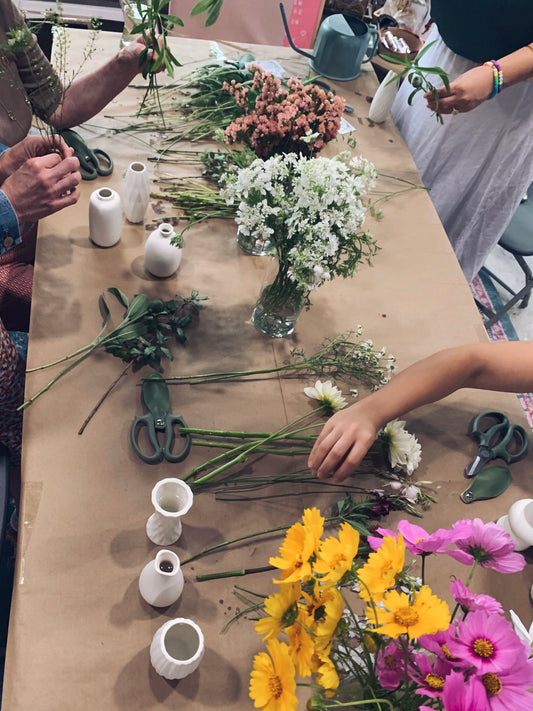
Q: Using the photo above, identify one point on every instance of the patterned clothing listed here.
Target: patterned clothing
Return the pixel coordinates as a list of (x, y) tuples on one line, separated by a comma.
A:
[(12, 369)]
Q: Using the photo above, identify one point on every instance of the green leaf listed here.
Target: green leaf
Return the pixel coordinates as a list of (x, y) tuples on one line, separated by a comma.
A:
[(120, 295), (172, 18), (137, 307), (212, 15), (202, 6)]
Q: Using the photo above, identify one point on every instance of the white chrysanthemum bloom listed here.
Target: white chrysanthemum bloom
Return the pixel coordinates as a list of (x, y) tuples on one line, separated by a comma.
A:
[(403, 448), (328, 395)]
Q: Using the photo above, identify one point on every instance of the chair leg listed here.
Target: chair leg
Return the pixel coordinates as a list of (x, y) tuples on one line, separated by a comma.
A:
[(529, 279)]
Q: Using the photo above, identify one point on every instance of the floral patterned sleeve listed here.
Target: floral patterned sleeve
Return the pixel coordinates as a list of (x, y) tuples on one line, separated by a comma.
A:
[(11, 396)]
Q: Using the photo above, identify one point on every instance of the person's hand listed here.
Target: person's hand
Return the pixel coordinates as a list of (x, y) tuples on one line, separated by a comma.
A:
[(466, 92), (43, 185), (131, 53), (343, 442), (31, 147)]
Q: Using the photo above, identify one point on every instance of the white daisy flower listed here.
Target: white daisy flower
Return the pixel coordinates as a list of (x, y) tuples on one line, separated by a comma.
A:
[(328, 395), (403, 448)]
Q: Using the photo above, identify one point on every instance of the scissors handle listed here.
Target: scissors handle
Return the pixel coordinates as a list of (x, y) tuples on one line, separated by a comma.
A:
[(104, 166), (485, 435), (513, 446), (148, 422), (501, 440), (171, 422)]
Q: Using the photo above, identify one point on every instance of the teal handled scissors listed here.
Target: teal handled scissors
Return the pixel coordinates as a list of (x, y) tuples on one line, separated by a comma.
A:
[(498, 439), (93, 161), (158, 419)]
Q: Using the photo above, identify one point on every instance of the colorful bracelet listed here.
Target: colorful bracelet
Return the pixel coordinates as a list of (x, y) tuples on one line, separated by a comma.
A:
[(497, 76)]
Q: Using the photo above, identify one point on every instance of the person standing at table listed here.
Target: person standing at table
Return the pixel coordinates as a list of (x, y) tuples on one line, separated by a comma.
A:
[(29, 86), (346, 437), (479, 163)]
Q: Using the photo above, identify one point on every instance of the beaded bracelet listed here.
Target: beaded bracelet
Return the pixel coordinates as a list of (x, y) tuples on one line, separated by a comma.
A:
[(497, 76)]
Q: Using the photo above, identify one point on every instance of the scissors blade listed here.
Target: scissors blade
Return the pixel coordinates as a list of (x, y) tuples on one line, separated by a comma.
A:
[(483, 456)]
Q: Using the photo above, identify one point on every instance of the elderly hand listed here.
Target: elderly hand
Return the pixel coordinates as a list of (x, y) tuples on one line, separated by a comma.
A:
[(42, 184), (466, 92), (31, 147), (343, 442)]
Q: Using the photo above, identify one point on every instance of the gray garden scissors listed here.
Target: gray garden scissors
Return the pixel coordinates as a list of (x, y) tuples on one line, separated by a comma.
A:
[(93, 161), (498, 439), (158, 419)]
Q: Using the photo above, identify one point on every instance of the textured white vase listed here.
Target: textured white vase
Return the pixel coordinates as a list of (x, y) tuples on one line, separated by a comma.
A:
[(161, 257), (519, 523), (383, 98), (177, 648), (171, 499), (105, 217), (135, 192), (161, 580)]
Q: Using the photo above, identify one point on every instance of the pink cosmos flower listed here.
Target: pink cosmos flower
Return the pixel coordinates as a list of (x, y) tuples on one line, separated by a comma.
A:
[(470, 601), (487, 543), (464, 695), (417, 540), (486, 646), (390, 666), (438, 644), (429, 674), (508, 690)]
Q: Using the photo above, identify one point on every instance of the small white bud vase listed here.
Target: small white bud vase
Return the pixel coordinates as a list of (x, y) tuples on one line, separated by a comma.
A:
[(161, 257), (171, 499), (519, 523), (105, 217), (177, 648), (136, 192), (161, 580)]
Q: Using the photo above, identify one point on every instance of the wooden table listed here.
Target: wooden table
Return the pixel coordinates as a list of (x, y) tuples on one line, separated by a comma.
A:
[(80, 633)]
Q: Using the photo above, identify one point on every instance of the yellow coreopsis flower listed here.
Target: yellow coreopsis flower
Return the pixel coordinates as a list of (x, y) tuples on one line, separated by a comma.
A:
[(426, 614), (272, 681), (380, 571), (281, 609), (301, 644), (313, 522), (326, 673), (296, 551), (326, 626), (336, 555)]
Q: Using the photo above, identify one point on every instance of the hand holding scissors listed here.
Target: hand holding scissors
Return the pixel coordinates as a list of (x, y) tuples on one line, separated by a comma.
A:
[(158, 419), (93, 161), (498, 439)]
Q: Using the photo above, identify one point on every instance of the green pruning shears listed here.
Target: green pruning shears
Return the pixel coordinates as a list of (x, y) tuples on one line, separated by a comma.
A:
[(93, 161), (158, 419)]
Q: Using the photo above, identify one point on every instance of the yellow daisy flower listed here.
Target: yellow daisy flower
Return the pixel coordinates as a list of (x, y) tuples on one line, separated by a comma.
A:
[(325, 629), (336, 555), (326, 673), (272, 681), (379, 573), (296, 551), (281, 609), (313, 522), (301, 645), (426, 614)]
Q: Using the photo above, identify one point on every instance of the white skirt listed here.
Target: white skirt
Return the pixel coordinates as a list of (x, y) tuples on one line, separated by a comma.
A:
[(477, 165)]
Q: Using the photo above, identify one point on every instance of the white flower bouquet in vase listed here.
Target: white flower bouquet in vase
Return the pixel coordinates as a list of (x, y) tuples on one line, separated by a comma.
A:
[(308, 213)]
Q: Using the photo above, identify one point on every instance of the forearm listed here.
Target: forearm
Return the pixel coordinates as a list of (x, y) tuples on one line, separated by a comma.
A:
[(90, 93), (518, 66)]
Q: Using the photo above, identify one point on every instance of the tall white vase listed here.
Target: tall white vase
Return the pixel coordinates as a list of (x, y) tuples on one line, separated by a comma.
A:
[(161, 257), (136, 192), (519, 523), (105, 217), (177, 648), (161, 580), (171, 499)]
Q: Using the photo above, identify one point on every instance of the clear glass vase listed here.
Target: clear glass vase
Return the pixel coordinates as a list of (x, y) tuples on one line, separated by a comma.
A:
[(279, 304), (258, 246)]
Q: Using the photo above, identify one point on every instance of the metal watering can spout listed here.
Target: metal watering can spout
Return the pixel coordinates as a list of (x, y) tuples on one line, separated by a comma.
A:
[(288, 33)]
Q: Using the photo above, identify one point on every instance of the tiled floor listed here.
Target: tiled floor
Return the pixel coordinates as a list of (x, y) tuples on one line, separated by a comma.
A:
[(505, 266)]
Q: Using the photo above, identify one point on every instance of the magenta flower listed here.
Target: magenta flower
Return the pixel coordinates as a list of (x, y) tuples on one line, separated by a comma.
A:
[(417, 540), (509, 690), (438, 644), (464, 695), (470, 601), (429, 674), (390, 666), (487, 543), (484, 645)]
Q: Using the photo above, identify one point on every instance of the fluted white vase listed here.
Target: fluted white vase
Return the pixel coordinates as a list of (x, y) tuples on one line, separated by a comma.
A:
[(136, 192), (177, 648), (171, 499), (105, 217), (161, 580), (519, 523), (161, 257)]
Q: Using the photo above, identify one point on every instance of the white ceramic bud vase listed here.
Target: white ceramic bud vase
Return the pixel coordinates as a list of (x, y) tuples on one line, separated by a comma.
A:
[(177, 648), (161, 580), (519, 523), (105, 217), (136, 192), (171, 499), (161, 257)]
